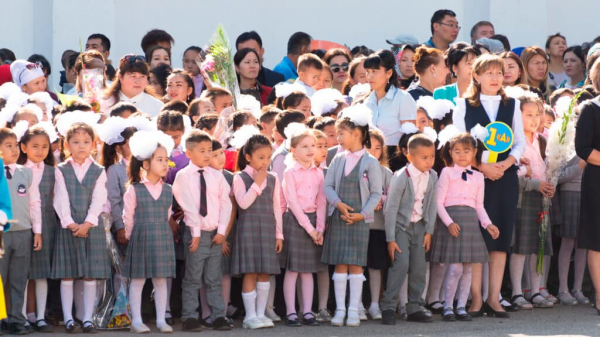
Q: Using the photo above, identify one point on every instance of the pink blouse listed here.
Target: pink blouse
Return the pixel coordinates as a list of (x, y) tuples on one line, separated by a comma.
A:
[(303, 191), (62, 205), (532, 152), (246, 198), (452, 190), (352, 159), (130, 203)]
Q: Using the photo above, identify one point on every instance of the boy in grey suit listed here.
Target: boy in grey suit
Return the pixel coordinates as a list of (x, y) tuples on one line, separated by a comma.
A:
[(410, 214)]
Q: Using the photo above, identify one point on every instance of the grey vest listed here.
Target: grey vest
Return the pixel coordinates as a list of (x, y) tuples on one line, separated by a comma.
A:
[(19, 187)]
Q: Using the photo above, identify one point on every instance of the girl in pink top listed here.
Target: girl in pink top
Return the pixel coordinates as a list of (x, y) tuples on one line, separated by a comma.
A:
[(458, 240), (303, 225)]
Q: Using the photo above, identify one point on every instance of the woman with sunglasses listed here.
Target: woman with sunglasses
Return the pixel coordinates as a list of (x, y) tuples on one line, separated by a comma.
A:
[(131, 85), (339, 61), (432, 70), (28, 76)]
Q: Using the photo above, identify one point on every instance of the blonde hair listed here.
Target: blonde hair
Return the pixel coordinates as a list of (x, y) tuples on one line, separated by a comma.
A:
[(318, 134), (481, 65), (526, 56), (294, 141)]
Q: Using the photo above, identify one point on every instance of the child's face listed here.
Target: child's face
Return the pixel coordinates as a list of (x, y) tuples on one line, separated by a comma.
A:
[(277, 137), (37, 148), (321, 151), (206, 108), (26, 116), (304, 152), (310, 76), (325, 81), (124, 150), (360, 74), (222, 102), (490, 80), (37, 85), (189, 63), (200, 154), (548, 120), (462, 155), (348, 139), (376, 149), (260, 158), (329, 132), (531, 117), (422, 120), (80, 146), (305, 107), (158, 89), (422, 157), (267, 129), (43, 107), (211, 132), (9, 149), (176, 135), (159, 164), (218, 159)]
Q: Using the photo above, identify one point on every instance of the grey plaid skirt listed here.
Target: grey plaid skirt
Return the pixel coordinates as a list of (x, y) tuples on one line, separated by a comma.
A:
[(527, 227), (226, 260), (468, 247), (150, 252), (302, 255), (41, 261), (570, 206)]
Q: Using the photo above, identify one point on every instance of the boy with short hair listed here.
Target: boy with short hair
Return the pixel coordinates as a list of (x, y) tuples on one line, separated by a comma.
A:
[(221, 98), (309, 72), (267, 121), (410, 215), (203, 194)]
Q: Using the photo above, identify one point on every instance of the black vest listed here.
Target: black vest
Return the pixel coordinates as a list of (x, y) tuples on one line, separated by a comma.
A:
[(477, 115)]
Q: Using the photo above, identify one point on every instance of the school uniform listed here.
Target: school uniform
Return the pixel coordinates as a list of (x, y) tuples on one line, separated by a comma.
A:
[(180, 160), (278, 168), (79, 195), (410, 213), (331, 153), (569, 189), (193, 185), (460, 194), (226, 260), (18, 240), (530, 204), (116, 181), (377, 255), (259, 224), (354, 179), (41, 261), (303, 191), (501, 195), (150, 253)]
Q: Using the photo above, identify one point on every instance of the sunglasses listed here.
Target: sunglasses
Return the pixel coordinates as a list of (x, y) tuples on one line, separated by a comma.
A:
[(30, 67), (336, 68), (131, 58)]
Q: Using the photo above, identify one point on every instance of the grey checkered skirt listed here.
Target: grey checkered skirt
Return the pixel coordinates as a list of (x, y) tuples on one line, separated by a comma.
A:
[(151, 252), (226, 260), (527, 235), (41, 261), (570, 206), (347, 244), (302, 254), (468, 247)]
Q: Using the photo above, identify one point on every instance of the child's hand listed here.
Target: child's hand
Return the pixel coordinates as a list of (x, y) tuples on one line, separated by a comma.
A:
[(225, 248), (547, 189), (278, 245), (121, 237), (343, 208), (493, 230), (529, 171), (174, 227), (260, 176), (37, 242), (194, 244), (314, 235), (454, 229), (392, 249), (218, 239), (379, 205), (319, 240), (524, 161), (581, 164), (427, 242), (82, 230), (353, 218), (72, 227)]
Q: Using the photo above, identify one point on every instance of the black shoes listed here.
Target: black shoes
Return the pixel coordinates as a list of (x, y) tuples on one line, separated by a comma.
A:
[(88, 327), (310, 319), (493, 313), (420, 317), (388, 317), (17, 329), (221, 324), (191, 325), (292, 320), (72, 327)]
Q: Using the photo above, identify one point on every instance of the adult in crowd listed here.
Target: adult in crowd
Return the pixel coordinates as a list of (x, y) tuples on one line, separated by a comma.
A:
[(247, 67), (339, 61), (190, 65), (158, 79), (514, 72), (444, 29), (28, 76), (535, 65), (555, 48), (459, 60), (158, 55), (101, 43), (432, 70), (298, 44), (93, 62), (252, 40), (406, 66), (574, 62), (37, 58), (157, 37), (482, 29)]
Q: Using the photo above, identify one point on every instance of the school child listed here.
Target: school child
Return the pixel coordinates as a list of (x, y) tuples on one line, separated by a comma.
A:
[(457, 240), (203, 194), (146, 210), (377, 257), (303, 223), (259, 235), (533, 187), (220, 98), (26, 210), (79, 194), (171, 123), (410, 213), (353, 187), (36, 155), (292, 97), (310, 67)]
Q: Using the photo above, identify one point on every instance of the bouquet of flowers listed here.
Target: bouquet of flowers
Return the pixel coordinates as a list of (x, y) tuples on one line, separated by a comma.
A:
[(559, 150), (217, 66)]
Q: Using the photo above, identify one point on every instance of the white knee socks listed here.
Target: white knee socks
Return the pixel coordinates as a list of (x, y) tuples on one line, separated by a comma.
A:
[(41, 295), (66, 296), (356, 283), (340, 283), (135, 300), (250, 304), (262, 296), (89, 297), (160, 300)]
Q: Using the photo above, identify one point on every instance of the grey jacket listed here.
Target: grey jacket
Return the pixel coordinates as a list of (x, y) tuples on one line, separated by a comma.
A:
[(400, 203), (386, 175), (370, 184), (570, 179), (116, 179)]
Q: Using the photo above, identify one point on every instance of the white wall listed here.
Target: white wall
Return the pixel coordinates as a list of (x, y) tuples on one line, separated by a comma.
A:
[(49, 27)]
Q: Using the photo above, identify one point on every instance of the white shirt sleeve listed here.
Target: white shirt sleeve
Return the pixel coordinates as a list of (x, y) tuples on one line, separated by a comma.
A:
[(519, 142), (458, 116)]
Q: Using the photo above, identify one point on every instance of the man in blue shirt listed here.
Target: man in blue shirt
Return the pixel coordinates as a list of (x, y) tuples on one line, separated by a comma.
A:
[(444, 29), (298, 44)]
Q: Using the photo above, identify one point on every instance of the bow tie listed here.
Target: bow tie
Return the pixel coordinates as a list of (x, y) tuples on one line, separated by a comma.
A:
[(464, 174)]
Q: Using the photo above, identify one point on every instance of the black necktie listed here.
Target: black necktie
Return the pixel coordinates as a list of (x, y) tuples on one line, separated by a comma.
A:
[(203, 208), (464, 174), (8, 174)]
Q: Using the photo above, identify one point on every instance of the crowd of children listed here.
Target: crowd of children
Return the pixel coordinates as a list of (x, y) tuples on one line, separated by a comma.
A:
[(296, 190)]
